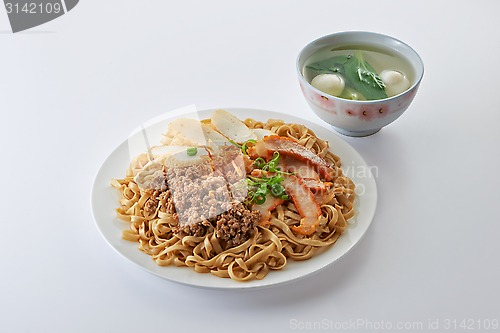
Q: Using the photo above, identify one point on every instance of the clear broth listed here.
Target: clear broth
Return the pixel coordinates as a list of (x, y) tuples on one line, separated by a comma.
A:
[(380, 59)]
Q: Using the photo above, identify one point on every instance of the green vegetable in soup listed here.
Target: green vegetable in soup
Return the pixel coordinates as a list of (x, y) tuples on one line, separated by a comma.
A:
[(330, 65), (364, 78), (359, 75)]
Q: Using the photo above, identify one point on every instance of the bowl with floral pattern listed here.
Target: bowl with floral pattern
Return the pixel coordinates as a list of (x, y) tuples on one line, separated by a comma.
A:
[(352, 114)]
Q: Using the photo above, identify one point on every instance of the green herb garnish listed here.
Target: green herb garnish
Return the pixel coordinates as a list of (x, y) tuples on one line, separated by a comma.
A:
[(271, 166), (259, 199), (260, 187), (244, 146), (191, 151), (277, 190), (259, 163)]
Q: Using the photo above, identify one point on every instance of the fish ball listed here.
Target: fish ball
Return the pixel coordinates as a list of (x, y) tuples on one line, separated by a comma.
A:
[(395, 82), (331, 84)]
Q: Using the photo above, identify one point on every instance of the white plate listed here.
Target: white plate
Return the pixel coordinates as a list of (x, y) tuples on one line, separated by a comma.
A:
[(105, 200)]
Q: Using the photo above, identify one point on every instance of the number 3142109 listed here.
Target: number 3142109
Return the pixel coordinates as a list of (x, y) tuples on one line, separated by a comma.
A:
[(33, 8)]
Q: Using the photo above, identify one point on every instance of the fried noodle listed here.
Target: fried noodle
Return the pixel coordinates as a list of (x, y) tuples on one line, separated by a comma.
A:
[(269, 248)]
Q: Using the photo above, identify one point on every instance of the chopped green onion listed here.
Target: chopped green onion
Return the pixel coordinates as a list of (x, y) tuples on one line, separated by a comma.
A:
[(275, 180), (259, 162), (276, 156), (272, 165), (259, 199), (259, 188), (191, 151), (277, 190), (234, 143), (245, 144)]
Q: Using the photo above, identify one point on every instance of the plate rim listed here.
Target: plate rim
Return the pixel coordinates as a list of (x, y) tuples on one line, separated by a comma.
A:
[(228, 284)]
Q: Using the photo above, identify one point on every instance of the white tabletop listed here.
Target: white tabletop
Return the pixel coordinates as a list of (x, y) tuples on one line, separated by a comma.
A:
[(71, 90)]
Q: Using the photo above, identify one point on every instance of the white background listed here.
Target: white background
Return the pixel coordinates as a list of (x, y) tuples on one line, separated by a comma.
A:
[(72, 90)]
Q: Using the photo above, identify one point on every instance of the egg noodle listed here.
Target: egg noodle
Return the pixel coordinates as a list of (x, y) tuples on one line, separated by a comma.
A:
[(270, 246)]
